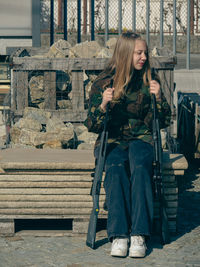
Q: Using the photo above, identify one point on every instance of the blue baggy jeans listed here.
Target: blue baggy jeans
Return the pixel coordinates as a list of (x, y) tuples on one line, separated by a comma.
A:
[(128, 186)]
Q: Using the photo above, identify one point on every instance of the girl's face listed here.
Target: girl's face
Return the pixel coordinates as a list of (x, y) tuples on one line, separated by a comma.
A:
[(139, 54)]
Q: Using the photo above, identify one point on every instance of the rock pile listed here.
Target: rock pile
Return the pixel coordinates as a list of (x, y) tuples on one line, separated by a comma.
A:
[(37, 128)]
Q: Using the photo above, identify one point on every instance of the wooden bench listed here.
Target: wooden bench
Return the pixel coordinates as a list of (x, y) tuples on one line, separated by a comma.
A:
[(55, 184)]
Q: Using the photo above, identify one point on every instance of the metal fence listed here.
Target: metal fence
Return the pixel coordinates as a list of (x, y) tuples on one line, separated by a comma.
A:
[(123, 15), (108, 17), (120, 15)]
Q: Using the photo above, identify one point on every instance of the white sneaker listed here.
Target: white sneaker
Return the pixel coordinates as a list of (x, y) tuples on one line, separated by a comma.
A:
[(119, 247), (138, 247)]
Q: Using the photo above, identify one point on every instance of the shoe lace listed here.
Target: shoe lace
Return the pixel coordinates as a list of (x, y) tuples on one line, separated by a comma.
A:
[(138, 240), (118, 242)]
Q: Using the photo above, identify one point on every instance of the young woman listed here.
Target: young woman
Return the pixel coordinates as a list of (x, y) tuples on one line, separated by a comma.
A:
[(127, 86)]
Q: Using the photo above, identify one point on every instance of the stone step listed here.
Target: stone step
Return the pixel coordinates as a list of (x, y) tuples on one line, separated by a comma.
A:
[(64, 198), (63, 204), (61, 191), (68, 159), (59, 178), (56, 184)]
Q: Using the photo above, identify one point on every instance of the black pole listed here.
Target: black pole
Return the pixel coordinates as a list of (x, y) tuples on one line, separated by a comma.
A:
[(79, 21), (65, 19), (92, 20), (52, 23)]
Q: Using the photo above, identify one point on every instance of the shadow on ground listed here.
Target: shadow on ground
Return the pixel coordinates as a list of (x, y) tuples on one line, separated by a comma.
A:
[(188, 205), (189, 199)]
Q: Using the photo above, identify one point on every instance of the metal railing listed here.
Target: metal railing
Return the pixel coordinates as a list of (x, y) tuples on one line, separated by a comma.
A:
[(107, 17)]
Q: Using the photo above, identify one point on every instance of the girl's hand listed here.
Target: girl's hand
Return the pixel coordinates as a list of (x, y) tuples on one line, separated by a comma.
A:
[(155, 89), (107, 97)]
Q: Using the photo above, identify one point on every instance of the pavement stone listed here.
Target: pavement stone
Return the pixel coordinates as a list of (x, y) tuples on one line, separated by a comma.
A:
[(70, 251)]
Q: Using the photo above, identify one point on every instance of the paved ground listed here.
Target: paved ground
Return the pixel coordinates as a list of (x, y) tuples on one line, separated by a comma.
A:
[(33, 249)]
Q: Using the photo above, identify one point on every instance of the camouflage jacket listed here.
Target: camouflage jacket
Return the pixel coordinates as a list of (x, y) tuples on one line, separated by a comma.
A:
[(130, 117)]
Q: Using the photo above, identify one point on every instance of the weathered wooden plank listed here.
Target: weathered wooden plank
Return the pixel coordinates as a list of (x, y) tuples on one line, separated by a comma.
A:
[(21, 90), (77, 91), (59, 63), (79, 63), (162, 62), (50, 89), (76, 65), (14, 92)]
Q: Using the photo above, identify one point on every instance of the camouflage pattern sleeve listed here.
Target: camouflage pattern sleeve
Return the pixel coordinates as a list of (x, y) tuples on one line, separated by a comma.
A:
[(95, 117), (164, 113)]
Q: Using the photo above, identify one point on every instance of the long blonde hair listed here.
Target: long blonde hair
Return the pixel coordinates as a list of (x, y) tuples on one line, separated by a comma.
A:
[(121, 68)]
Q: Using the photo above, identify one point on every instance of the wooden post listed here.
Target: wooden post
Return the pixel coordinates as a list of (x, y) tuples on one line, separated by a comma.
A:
[(50, 89), (77, 91), (13, 90), (21, 90)]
